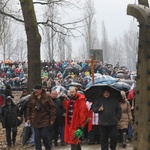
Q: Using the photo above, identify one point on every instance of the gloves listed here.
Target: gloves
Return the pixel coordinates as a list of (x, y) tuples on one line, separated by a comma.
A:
[(78, 133)]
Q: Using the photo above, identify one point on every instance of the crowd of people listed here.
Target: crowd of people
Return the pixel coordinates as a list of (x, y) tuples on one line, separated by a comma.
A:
[(16, 73), (66, 115)]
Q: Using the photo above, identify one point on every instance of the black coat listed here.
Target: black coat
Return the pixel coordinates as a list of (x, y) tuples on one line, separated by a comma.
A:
[(59, 106), (9, 116), (111, 113)]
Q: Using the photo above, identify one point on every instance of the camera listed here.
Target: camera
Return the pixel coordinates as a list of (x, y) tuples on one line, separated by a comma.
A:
[(37, 108)]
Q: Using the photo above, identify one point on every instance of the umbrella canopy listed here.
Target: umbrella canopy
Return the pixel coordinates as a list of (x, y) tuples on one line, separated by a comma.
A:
[(78, 85), (69, 68), (95, 92), (130, 82), (59, 88), (77, 66), (103, 79), (121, 86), (123, 68), (75, 84), (27, 132), (23, 100)]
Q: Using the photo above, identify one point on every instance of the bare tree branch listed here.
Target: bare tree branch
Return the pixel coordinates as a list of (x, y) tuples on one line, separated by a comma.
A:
[(46, 3), (56, 2), (5, 4), (11, 16), (64, 25)]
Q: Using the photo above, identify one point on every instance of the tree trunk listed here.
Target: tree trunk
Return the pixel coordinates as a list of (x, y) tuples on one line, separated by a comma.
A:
[(33, 43), (142, 107)]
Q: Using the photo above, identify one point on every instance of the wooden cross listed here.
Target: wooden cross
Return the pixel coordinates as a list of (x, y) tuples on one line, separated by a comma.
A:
[(92, 62)]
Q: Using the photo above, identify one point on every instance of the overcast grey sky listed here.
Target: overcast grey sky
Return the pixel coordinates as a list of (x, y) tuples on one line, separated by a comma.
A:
[(114, 15)]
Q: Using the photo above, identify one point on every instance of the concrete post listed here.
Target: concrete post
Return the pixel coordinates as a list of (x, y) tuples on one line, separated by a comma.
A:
[(142, 108)]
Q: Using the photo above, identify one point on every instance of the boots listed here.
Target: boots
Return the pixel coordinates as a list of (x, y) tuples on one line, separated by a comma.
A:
[(120, 139), (124, 140)]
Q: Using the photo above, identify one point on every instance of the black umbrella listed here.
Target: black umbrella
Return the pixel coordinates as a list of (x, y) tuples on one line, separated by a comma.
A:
[(27, 132), (95, 92)]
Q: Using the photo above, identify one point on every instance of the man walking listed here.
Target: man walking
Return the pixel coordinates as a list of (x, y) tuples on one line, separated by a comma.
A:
[(76, 116), (59, 108), (109, 111), (41, 112)]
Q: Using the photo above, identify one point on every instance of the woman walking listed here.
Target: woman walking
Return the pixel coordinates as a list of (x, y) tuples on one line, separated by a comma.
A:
[(10, 120), (126, 118)]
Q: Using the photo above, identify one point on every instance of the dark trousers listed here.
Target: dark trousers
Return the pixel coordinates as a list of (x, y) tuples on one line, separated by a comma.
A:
[(8, 135), (94, 134), (44, 134), (56, 129), (75, 147), (107, 132), (62, 126)]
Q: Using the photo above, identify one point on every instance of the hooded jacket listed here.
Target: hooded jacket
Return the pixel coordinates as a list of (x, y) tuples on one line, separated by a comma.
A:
[(9, 115)]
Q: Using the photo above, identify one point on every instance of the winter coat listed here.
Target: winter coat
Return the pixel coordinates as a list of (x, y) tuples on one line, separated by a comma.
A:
[(40, 118), (111, 113), (59, 106), (9, 117), (79, 117), (126, 115)]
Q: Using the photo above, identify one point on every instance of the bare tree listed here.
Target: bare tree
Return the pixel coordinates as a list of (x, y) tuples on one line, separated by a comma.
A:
[(33, 36), (105, 44), (68, 49), (21, 50), (33, 43), (116, 52), (50, 35), (129, 45), (61, 47), (89, 34)]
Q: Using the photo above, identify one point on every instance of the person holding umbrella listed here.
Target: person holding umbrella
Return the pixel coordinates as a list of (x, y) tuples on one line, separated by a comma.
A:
[(109, 110)]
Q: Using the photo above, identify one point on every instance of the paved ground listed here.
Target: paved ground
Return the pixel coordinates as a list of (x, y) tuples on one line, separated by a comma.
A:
[(84, 147)]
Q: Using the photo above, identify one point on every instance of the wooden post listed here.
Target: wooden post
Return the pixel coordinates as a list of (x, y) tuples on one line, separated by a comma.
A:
[(92, 62)]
